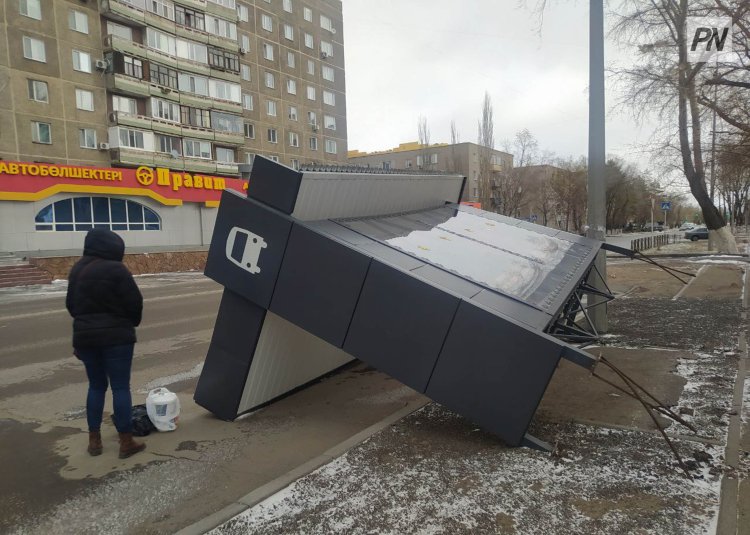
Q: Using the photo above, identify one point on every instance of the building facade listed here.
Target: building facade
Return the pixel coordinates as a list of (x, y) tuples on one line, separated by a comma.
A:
[(462, 158), (195, 87)]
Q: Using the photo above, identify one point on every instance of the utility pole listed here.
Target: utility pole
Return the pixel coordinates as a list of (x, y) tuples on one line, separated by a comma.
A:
[(596, 183)]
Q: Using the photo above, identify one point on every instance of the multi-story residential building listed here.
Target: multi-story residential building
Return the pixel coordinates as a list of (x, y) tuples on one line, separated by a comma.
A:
[(460, 158), (190, 86)]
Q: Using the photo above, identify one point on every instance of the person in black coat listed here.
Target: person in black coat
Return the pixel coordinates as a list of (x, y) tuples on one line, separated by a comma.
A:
[(106, 306)]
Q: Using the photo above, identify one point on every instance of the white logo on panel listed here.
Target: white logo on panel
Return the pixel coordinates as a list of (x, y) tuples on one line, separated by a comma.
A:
[(245, 256)]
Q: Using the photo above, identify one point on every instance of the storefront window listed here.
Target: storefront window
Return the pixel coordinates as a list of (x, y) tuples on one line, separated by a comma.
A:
[(84, 213)]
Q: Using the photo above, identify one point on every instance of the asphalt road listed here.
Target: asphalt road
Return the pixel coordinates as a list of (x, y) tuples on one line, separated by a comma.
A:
[(50, 485)]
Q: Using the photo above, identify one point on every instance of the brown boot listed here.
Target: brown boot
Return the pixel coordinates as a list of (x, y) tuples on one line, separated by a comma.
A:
[(95, 443), (128, 446)]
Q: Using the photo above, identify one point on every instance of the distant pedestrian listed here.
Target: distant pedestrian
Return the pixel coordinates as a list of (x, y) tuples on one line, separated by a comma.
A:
[(106, 306)]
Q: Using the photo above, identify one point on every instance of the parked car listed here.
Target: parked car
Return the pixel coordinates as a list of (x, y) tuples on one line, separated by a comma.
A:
[(686, 226), (658, 227), (699, 233)]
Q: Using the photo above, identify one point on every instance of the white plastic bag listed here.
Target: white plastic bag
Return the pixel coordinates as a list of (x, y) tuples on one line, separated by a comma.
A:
[(163, 409)]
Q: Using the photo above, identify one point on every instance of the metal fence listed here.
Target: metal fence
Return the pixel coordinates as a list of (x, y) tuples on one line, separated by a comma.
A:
[(651, 242)]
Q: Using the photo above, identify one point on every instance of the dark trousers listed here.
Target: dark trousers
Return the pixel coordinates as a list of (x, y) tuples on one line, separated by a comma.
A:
[(105, 366)]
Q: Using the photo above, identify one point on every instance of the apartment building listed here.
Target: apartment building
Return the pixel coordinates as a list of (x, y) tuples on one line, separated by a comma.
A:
[(182, 88), (460, 158)]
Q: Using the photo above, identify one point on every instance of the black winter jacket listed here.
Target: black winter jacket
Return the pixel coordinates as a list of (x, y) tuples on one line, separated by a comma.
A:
[(103, 298)]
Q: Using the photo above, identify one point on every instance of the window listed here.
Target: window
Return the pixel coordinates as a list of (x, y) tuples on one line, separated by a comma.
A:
[(271, 108), (327, 72), (192, 51), (84, 100), (326, 23), (308, 14), (225, 90), (195, 117), (434, 158), (249, 130), (272, 135), (291, 87), (268, 51), (34, 49), (270, 80), (38, 91), (246, 43), (133, 67), (164, 109), (312, 118), (224, 155), (226, 122), (310, 92), (295, 164), (329, 98), (85, 213), (293, 139), (292, 113), (31, 9), (310, 66), (273, 158), (313, 143), (243, 13), (189, 17), (163, 8), (194, 148), (164, 76), (287, 4), (290, 59), (161, 41), (168, 145), (329, 122), (408, 164), (193, 83), (41, 132), (245, 72), (130, 138), (221, 27), (288, 32), (326, 49), (87, 138), (309, 42), (249, 157), (119, 30), (78, 21), (124, 105), (247, 101), (223, 59), (331, 146), (81, 61), (266, 22), (419, 162)]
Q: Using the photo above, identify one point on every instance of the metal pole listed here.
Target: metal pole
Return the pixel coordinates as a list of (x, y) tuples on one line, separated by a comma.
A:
[(596, 183)]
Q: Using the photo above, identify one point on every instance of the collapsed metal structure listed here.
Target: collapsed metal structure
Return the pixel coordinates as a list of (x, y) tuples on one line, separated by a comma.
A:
[(471, 308)]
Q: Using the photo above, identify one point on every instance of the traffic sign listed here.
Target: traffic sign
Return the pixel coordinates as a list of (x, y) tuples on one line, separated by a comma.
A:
[(666, 205)]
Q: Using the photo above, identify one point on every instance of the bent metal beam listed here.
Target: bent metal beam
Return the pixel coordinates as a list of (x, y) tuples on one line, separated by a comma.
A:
[(459, 304)]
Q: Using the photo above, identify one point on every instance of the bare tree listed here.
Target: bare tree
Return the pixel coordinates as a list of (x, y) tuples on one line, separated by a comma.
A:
[(454, 165), (665, 81), (525, 148), (486, 142), (423, 132)]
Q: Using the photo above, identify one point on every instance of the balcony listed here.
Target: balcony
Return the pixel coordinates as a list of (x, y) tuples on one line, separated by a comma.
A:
[(168, 161), (123, 12), (161, 91), (224, 42), (198, 165), (226, 105), (227, 168), (197, 132), (154, 20), (229, 137), (126, 156), (225, 75), (220, 11), (166, 127), (121, 83), (125, 119), (131, 48), (191, 33)]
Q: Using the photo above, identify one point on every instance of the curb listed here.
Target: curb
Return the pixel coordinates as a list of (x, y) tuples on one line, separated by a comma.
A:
[(272, 487)]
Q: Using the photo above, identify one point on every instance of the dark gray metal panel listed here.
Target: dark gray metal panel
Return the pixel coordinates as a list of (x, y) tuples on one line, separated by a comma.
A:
[(448, 281), (338, 231), (493, 371), (274, 184), (236, 333), (400, 324), (247, 260), (511, 308), (319, 284), (390, 255)]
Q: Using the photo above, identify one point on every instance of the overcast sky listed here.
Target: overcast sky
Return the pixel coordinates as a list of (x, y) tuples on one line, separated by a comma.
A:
[(406, 58)]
